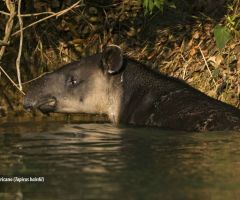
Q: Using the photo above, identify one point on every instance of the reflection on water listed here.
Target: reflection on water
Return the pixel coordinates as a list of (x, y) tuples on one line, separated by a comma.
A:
[(100, 161)]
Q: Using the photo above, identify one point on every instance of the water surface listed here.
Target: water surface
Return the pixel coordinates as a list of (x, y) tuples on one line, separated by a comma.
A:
[(100, 161)]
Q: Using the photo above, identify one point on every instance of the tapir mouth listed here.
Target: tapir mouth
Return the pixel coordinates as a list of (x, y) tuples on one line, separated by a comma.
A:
[(47, 105)]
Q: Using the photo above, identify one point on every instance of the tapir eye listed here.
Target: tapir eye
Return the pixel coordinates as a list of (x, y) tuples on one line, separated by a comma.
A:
[(72, 81)]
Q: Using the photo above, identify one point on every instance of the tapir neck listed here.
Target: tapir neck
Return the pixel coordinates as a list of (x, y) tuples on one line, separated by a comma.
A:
[(134, 91), (140, 91)]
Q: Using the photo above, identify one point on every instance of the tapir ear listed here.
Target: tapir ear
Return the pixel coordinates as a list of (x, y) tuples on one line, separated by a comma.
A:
[(112, 59)]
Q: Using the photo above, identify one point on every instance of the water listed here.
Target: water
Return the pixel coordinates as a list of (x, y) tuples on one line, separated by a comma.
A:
[(100, 161)]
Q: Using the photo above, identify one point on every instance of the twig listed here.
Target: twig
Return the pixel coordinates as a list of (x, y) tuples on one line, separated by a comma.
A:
[(207, 65), (9, 25), (8, 29), (5, 13), (28, 15), (3, 43), (50, 16), (185, 66), (11, 80), (36, 78), (20, 45)]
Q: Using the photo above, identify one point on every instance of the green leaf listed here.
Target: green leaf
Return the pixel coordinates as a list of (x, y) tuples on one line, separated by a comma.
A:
[(145, 4), (171, 5), (215, 73), (151, 5), (222, 35), (158, 3)]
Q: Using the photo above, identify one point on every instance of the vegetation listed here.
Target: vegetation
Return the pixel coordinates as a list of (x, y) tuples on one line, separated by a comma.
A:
[(149, 5), (198, 42)]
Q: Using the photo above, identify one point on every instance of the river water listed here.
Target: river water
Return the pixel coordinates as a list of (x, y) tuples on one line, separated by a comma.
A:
[(101, 161)]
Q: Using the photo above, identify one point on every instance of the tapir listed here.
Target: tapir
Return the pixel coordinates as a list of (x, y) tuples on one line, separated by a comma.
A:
[(129, 93)]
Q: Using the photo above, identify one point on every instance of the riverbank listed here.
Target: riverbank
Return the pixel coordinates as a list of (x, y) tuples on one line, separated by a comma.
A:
[(178, 42)]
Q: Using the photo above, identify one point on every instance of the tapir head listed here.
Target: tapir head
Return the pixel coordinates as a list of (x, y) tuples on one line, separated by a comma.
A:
[(79, 87)]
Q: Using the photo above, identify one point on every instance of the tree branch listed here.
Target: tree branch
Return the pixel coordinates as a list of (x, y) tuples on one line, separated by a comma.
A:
[(28, 15), (18, 61), (3, 43), (53, 15), (9, 78), (11, 7), (9, 25), (206, 64)]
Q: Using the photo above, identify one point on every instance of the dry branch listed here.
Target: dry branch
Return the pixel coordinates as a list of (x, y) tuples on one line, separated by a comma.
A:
[(62, 12), (12, 13), (28, 15), (9, 78), (9, 25), (11, 7), (18, 61), (206, 64), (3, 43)]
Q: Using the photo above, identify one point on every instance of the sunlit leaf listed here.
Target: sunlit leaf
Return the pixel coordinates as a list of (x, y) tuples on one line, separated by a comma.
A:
[(215, 73), (158, 3), (222, 36), (171, 5), (151, 5)]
